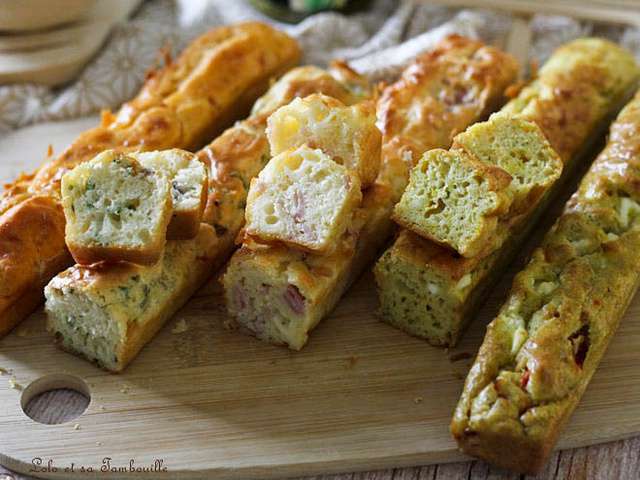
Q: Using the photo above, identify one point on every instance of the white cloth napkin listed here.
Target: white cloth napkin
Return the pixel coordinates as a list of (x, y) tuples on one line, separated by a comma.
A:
[(377, 42)]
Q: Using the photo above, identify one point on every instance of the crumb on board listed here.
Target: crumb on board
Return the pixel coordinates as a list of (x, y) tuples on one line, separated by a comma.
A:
[(76, 426), (418, 400), (103, 408), (13, 383), (98, 444), (124, 389), (460, 356), (23, 332), (180, 327), (4, 371)]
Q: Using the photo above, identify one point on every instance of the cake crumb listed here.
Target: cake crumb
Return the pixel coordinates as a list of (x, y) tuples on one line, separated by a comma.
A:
[(180, 327), (76, 426), (103, 408), (353, 361), (13, 383), (460, 356), (4, 371), (23, 332), (124, 389), (418, 400), (98, 444)]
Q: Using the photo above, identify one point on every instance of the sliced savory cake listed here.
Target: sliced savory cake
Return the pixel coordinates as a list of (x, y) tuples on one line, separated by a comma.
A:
[(116, 210), (189, 182), (302, 198), (233, 159), (572, 100), (455, 199), (469, 198), (347, 134), (108, 312), (540, 352), (519, 147)]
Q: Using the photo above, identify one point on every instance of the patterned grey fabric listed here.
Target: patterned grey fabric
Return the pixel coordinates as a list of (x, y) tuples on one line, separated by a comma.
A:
[(377, 42)]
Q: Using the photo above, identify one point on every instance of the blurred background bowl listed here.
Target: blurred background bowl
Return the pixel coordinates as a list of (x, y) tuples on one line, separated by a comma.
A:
[(26, 15)]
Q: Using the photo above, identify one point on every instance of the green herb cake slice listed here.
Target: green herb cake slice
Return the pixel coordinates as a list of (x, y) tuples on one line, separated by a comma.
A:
[(455, 200), (519, 147), (468, 198), (302, 198), (116, 210), (91, 311), (576, 93), (542, 349)]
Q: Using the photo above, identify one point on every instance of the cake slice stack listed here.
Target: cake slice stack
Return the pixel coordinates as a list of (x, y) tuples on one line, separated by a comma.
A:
[(119, 207), (108, 314), (461, 237), (306, 199), (467, 197)]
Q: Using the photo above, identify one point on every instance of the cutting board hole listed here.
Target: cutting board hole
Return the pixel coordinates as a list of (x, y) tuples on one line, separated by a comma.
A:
[(55, 399)]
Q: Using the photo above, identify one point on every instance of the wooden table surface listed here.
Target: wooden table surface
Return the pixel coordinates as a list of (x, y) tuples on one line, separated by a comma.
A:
[(617, 460)]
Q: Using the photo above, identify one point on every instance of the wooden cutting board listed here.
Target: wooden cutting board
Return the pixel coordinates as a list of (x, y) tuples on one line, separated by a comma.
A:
[(214, 404)]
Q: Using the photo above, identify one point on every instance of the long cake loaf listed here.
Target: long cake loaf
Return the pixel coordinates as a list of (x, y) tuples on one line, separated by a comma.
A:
[(108, 314), (542, 349), (213, 82), (432, 292), (279, 294)]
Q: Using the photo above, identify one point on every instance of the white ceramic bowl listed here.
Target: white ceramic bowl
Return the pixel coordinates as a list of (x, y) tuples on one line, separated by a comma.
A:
[(27, 15)]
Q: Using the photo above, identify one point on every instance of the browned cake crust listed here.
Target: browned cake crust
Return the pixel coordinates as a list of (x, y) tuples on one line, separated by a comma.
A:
[(440, 94), (89, 255), (28, 232), (187, 224), (213, 82), (541, 351)]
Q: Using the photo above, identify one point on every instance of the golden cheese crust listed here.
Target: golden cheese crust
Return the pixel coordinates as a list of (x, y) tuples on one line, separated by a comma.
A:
[(591, 76), (29, 232), (442, 92), (541, 351), (215, 79), (347, 134), (233, 159)]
